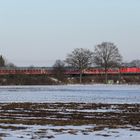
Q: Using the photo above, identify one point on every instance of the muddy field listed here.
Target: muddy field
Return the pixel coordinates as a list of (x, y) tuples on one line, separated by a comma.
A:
[(94, 117)]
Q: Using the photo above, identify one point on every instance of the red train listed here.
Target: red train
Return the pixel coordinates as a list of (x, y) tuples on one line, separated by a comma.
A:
[(49, 71), (132, 70)]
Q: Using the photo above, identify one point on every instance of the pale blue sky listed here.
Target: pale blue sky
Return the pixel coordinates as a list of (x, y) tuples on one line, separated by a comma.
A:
[(37, 32)]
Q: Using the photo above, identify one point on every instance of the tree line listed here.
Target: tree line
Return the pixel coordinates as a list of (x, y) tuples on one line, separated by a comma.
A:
[(5, 63), (105, 55)]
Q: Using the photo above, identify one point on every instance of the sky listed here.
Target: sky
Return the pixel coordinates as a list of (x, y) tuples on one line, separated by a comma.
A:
[(37, 32)]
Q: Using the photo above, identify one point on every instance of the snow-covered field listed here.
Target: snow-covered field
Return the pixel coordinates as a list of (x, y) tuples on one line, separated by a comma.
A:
[(72, 93), (106, 94), (78, 133)]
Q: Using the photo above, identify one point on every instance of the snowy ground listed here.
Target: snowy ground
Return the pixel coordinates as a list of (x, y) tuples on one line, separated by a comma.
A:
[(72, 93), (108, 99), (71, 133)]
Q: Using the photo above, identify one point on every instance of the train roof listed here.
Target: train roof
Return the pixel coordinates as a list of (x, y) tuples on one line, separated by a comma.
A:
[(25, 68)]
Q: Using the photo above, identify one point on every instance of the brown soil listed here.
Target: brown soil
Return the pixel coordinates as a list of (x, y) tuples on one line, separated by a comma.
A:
[(61, 114)]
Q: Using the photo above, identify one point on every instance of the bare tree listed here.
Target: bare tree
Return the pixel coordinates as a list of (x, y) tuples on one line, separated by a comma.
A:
[(59, 69), (106, 55), (135, 63), (10, 65), (80, 59)]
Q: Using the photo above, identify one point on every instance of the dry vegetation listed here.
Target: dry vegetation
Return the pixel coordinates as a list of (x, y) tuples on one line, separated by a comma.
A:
[(113, 115), (100, 116)]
